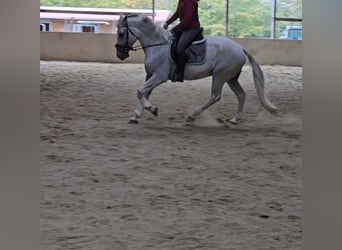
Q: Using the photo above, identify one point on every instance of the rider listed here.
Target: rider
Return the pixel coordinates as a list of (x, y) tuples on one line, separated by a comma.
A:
[(185, 32)]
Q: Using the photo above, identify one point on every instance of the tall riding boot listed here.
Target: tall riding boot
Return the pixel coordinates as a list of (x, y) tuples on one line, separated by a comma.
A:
[(180, 66)]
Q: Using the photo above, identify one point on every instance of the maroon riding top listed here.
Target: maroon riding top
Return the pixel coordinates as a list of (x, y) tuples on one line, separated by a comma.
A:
[(187, 12)]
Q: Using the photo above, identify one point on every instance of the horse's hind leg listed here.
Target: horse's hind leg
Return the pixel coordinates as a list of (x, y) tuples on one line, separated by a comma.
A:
[(216, 90), (241, 95)]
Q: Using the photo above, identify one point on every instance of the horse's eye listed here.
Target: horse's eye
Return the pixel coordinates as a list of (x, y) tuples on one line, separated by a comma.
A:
[(121, 32)]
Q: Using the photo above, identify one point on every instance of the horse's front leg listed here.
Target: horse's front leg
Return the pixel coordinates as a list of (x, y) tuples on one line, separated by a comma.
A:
[(145, 103), (137, 114), (139, 109), (143, 94)]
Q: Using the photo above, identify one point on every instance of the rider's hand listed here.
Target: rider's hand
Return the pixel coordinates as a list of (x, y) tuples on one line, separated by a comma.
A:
[(165, 26), (174, 33)]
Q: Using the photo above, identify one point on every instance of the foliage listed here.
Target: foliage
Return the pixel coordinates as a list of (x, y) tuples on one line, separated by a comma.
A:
[(247, 18)]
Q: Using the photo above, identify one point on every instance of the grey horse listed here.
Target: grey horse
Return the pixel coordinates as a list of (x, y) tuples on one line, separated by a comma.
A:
[(224, 62)]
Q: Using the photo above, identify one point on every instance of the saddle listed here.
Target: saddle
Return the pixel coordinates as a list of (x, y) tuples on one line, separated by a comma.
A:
[(195, 52)]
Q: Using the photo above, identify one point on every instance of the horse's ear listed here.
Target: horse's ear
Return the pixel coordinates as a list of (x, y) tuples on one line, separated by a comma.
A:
[(121, 17)]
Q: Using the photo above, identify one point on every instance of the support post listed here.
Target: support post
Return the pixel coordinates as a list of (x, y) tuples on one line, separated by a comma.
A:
[(153, 9), (273, 21), (227, 17)]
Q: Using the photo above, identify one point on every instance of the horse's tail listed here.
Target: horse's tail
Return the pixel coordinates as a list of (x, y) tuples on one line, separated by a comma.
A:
[(259, 81)]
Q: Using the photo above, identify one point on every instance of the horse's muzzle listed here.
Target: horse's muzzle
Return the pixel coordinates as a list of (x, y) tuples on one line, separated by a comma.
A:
[(122, 52)]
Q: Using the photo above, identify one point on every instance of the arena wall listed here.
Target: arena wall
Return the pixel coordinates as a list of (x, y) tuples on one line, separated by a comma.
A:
[(100, 48)]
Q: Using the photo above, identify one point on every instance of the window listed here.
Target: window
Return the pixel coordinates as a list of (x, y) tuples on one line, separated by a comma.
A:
[(85, 28), (45, 27)]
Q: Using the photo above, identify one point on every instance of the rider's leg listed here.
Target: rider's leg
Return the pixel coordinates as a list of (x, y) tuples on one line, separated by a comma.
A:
[(184, 41), (181, 59)]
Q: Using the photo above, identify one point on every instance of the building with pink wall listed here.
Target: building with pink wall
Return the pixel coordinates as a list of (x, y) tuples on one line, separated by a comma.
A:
[(96, 20)]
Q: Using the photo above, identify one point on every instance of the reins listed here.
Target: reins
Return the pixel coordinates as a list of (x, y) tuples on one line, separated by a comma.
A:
[(138, 47)]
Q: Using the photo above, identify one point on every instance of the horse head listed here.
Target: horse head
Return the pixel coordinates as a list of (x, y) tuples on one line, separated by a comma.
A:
[(126, 37)]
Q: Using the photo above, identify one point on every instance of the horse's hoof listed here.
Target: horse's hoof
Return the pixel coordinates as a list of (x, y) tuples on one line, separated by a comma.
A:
[(233, 121), (190, 119), (220, 120), (155, 111), (132, 121)]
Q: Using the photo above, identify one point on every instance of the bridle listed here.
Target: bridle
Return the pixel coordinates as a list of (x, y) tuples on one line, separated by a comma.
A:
[(126, 48)]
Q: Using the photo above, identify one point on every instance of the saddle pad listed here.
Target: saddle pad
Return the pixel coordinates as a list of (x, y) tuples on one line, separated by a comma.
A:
[(196, 52)]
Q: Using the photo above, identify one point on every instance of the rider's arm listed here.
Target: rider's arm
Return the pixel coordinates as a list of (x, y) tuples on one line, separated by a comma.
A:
[(173, 17), (190, 10)]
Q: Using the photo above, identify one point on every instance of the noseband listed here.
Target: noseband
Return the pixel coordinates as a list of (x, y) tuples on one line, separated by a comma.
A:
[(126, 48)]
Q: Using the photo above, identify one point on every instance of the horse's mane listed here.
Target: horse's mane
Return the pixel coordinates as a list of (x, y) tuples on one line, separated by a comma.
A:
[(162, 33)]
